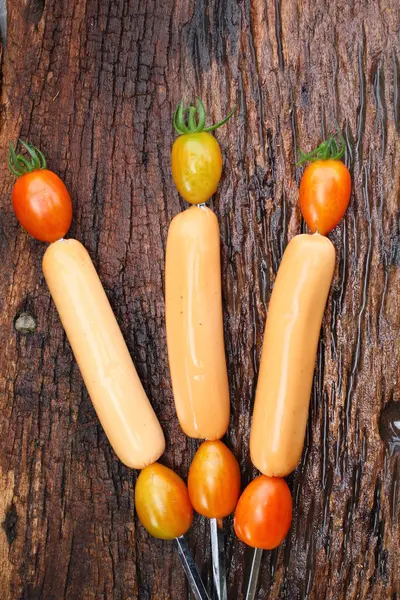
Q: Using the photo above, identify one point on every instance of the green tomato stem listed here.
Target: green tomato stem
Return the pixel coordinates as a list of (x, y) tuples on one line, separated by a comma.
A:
[(213, 127), (20, 165), (327, 150), (193, 125)]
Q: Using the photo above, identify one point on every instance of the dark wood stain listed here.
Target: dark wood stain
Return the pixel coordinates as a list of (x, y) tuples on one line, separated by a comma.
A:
[(389, 426), (10, 524), (34, 11), (95, 83)]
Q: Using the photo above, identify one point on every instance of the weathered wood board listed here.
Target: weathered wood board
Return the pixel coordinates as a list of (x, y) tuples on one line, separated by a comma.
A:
[(94, 83)]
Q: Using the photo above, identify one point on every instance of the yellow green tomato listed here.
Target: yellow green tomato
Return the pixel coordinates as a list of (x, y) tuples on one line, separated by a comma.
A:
[(162, 502), (196, 158)]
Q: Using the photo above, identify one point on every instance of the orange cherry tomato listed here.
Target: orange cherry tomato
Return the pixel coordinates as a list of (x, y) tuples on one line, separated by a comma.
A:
[(196, 158), (264, 513), (40, 199), (214, 480), (324, 194), (162, 502)]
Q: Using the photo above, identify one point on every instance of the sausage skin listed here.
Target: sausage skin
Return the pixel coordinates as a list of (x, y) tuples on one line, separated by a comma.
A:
[(289, 352), (102, 356), (194, 322)]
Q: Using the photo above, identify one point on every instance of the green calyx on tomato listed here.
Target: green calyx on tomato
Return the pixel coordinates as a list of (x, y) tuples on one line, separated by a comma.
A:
[(328, 150), (20, 165), (196, 119)]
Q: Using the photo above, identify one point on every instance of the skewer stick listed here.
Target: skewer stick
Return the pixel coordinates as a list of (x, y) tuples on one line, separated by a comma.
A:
[(218, 558), (191, 571), (252, 584)]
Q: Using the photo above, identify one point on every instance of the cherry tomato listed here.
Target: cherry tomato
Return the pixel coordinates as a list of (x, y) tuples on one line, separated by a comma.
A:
[(325, 186), (196, 162), (196, 158), (162, 502), (264, 513), (40, 199), (214, 480)]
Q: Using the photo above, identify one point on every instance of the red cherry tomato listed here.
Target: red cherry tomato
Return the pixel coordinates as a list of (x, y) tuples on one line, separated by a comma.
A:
[(324, 194), (162, 502), (264, 513), (214, 480), (40, 199)]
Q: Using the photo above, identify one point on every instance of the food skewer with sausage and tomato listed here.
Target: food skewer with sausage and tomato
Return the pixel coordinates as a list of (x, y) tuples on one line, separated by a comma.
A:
[(292, 331), (194, 323), (43, 206)]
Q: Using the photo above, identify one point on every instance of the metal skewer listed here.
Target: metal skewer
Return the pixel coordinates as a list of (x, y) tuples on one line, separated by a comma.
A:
[(218, 559), (254, 573), (191, 571)]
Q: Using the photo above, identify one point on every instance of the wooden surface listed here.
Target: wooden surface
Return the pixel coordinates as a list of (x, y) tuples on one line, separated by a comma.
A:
[(94, 83)]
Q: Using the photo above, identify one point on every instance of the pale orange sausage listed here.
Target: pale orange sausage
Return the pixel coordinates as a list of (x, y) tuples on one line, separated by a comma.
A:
[(288, 357), (102, 356), (194, 323)]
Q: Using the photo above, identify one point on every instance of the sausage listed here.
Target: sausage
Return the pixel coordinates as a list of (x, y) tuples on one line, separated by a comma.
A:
[(194, 323), (289, 352), (102, 356)]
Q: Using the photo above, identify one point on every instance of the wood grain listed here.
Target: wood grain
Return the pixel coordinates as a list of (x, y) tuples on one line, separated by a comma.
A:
[(94, 83)]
